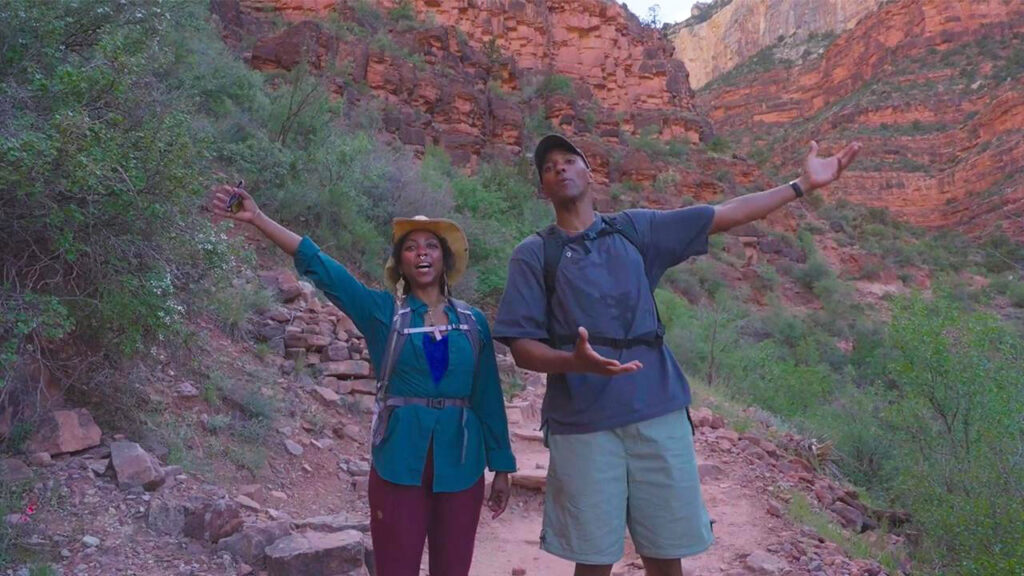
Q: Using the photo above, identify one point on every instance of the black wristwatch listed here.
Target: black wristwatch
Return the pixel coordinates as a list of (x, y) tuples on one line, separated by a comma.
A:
[(797, 189)]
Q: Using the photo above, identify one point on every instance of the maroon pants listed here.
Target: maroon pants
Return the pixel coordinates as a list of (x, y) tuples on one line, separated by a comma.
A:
[(402, 517)]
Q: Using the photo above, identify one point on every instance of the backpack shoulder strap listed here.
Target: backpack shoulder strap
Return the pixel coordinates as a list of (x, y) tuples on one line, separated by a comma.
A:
[(396, 339), (624, 225), (466, 316), (554, 243)]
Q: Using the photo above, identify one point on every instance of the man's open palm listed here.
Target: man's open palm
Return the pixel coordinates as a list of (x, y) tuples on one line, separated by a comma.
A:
[(824, 171), (588, 360)]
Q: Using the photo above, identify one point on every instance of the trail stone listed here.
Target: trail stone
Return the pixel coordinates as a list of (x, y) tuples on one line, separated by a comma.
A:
[(293, 447), (213, 521), (532, 479), (100, 466), (701, 417), (371, 564), (332, 523), (338, 352), (254, 491), (186, 390), (535, 435), (514, 415), (165, 517), (289, 291), (762, 562), (134, 467), (752, 450), (850, 517), (279, 314), (270, 330), (326, 395), (295, 354), (64, 431), (346, 369), (359, 468), (247, 502), (250, 544), (13, 471), (709, 471), (364, 386), (353, 432), (316, 553)]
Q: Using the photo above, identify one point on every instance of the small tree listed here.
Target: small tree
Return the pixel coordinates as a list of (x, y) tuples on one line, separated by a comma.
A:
[(653, 19)]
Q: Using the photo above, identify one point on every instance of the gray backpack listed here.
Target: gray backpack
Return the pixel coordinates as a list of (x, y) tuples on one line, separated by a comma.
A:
[(400, 331)]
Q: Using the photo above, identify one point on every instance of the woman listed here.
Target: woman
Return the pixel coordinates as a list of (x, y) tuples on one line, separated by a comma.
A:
[(443, 417)]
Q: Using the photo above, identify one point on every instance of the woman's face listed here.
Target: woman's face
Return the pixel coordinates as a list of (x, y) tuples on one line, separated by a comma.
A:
[(422, 259)]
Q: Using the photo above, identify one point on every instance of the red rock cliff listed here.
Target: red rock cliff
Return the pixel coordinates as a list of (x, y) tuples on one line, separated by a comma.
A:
[(934, 90), (712, 46), (486, 78)]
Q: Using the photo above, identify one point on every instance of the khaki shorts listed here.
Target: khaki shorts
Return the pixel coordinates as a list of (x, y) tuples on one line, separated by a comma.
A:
[(642, 476)]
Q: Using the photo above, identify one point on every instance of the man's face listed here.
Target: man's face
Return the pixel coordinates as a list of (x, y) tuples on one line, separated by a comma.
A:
[(564, 176)]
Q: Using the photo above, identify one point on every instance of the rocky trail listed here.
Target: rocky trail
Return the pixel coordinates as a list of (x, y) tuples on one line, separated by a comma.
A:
[(101, 503)]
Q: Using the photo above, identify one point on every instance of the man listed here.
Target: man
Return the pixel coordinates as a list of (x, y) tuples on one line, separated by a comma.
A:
[(579, 306)]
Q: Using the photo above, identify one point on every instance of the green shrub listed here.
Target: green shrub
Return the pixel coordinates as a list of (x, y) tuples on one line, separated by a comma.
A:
[(813, 273), (404, 11), (101, 174), (1010, 286), (956, 417), (555, 84), (719, 145)]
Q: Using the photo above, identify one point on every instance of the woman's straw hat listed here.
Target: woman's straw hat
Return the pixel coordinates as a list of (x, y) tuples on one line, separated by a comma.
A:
[(443, 228)]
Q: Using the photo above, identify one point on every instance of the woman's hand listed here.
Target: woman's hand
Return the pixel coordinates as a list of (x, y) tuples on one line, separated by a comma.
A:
[(500, 491), (221, 198)]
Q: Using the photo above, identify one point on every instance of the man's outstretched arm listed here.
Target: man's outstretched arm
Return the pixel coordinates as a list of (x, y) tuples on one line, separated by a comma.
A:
[(817, 172), (539, 357)]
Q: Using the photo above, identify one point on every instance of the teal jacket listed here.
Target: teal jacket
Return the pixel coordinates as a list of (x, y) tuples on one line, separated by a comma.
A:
[(401, 456)]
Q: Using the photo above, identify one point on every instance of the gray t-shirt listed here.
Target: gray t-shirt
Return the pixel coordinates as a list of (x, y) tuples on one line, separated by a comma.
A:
[(604, 284)]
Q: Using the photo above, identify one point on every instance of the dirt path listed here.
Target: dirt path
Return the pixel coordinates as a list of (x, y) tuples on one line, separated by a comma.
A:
[(749, 539)]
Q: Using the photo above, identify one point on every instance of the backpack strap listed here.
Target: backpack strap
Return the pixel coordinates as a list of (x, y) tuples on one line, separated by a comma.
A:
[(624, 225), (554, 248), (554, 243), (400, 331), (467, 322), (396, 339)]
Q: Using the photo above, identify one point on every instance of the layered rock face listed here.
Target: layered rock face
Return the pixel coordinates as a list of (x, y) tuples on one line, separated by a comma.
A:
[(743, 27), (931, 87), (487, 79)]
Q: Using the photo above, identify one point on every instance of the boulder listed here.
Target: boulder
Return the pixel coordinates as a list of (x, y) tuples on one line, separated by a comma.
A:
[(332, 523), (165, 517), (346, 369), (329, 554), (213, 521), (64, 431), (251, 543), (14, 471), (134, 467)]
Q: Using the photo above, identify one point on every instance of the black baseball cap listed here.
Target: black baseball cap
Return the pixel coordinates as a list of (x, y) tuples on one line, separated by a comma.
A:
[(554, 142)]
